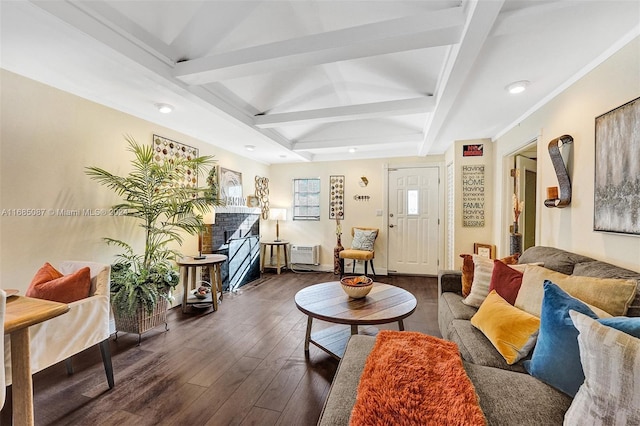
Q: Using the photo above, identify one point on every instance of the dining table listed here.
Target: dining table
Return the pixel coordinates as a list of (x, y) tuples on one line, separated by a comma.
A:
[(21, 313)]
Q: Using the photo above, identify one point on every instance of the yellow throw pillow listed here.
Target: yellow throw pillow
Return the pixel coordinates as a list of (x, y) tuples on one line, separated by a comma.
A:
[(608, 296), (512, 332)]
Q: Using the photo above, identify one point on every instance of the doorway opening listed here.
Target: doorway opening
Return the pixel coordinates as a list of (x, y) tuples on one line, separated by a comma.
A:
[(522, 188)]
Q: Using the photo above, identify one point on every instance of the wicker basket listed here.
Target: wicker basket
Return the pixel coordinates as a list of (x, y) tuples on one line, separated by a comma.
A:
[(142, 321)]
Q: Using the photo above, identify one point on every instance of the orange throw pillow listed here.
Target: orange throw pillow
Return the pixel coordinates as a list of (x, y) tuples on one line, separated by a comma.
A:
[(50, 284), (467, 274)]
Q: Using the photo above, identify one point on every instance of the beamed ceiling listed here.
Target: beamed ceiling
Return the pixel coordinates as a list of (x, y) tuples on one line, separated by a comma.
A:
[(306, 80)]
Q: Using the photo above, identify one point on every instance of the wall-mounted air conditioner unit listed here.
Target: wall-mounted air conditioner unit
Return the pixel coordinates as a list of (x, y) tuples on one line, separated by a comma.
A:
[(305, 254)]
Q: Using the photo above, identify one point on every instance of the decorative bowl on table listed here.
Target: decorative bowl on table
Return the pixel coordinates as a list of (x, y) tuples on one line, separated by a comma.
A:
[(201, 292), (357, 287)]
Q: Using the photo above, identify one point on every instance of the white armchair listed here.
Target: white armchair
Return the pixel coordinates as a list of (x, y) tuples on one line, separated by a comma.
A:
[(85, 325)]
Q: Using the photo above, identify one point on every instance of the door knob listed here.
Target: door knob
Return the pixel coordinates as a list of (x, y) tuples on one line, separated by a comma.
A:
[(391, 226)]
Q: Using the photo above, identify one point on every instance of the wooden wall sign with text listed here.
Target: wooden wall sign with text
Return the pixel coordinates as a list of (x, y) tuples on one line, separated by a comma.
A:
[(473, 196)]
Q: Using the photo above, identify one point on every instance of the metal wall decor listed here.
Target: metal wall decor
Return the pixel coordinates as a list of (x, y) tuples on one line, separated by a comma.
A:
[(561, 171), (262, 192), (336, 197), (169, 150), (617, 170)]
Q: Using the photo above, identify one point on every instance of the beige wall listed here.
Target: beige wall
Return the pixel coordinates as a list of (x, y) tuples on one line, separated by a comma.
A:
[(357, 213), (465, 237), (48, 137), (573, 112)]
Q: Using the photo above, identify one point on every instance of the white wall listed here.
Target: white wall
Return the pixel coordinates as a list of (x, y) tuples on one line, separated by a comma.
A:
[(47, 139), (611, 84)]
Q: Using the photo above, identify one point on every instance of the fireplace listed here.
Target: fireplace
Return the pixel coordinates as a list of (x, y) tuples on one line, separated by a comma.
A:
[(236, 234)]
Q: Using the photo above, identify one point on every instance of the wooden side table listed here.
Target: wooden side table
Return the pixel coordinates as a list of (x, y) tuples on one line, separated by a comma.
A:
[(188, 270), (279, 245), (21, 313)]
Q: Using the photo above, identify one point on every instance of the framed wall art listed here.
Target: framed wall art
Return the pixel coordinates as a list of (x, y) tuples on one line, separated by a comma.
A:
[(230, 184), (617, 170), (169, 150), (485, 250), (336, 197)]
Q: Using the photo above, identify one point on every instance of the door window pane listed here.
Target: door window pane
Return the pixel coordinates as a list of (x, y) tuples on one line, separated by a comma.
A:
[(412, 201)]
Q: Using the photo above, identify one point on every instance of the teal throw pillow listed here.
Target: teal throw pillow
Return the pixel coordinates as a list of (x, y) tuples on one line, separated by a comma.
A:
[(363, 239), (556, 356), (627, 325)]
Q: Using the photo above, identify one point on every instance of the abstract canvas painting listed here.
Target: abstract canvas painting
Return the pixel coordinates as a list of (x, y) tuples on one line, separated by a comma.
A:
[(617, 170)]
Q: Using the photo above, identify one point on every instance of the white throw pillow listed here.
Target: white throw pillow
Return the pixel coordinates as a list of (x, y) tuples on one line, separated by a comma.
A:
[(610, 394), (363, 239), (482, 271)]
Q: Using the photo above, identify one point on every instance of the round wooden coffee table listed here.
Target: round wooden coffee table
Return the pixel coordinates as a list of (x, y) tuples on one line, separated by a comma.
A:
[(328, 302)]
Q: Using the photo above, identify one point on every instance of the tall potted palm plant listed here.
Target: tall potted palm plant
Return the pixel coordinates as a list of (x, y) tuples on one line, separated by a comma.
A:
[(141, 283)]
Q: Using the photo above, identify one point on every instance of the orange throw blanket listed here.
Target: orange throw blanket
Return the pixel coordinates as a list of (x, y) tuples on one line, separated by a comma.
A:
[(414, 379)]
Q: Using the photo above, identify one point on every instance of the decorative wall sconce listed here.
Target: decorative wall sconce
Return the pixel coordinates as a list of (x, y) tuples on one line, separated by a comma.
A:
[(364, 181), (564, 198)]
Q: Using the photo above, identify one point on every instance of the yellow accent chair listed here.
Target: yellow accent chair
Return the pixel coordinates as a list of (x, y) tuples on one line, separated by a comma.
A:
[(361, 248)]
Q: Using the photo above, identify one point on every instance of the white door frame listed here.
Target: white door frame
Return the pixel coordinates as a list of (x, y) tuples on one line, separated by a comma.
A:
[(385, 209)]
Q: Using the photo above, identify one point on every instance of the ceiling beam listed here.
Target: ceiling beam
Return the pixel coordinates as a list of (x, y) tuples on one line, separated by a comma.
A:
[(355, 142), (438, 28), (345, 113), (480, 20)]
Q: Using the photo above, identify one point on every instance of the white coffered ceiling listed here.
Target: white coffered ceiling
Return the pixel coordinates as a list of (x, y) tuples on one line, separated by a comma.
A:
[(305, 80)]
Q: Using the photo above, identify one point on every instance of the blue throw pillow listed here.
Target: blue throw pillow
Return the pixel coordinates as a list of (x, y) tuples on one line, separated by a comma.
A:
[(627, 325), (556, 357)]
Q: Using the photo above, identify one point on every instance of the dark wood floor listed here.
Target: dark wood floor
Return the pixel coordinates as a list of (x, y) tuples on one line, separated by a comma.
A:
[(242, 365)]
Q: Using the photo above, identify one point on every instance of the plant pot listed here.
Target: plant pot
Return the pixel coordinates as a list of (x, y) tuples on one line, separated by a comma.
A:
[(142, 321)]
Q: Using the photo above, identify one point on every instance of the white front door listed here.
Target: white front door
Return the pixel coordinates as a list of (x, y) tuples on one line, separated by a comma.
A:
[(413, 220)]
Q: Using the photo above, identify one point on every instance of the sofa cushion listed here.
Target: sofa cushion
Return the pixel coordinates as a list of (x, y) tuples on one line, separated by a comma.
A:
[(450, 307), (344, 388), (509, 398), (556, 357), (512, 332), (611, 361), (475, 347), (555, 259)]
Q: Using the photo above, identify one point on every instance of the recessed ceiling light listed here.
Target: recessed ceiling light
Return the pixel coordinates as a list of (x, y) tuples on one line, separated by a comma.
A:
[(164, 108), (352, 150), (283, 156), (518, 87), (250, 147)]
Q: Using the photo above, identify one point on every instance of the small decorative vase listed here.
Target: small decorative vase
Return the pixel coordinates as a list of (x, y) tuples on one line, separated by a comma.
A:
[(338, 264), (515, 245)]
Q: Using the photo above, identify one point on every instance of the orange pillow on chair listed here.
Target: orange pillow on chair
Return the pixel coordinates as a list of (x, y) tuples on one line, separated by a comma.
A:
[(50, 284)]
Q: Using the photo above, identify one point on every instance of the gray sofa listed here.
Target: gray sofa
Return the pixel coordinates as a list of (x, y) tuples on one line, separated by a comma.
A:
[(507, 394)]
